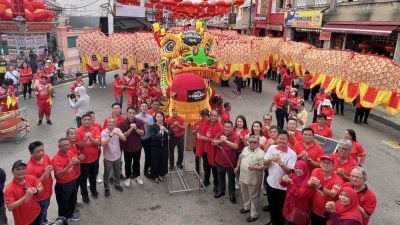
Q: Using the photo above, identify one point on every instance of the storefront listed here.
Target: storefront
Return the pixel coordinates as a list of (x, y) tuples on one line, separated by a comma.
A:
[(366, 37), (304, 26), (260, 25)]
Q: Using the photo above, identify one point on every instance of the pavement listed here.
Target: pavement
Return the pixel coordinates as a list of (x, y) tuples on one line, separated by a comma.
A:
[(152, 204)]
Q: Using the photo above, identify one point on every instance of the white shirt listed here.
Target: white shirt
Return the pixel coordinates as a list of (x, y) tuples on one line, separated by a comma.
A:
[(14, 75), (275, 172), (112, 151)]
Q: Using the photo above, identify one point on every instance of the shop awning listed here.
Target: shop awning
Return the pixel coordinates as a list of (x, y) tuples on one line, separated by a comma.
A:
[(377, 30)]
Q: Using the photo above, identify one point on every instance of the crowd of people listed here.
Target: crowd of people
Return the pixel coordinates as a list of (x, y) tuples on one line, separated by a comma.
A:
[(303, 185)]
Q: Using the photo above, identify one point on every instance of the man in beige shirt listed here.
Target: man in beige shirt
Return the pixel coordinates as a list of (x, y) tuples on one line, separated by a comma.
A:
[(251, 169)]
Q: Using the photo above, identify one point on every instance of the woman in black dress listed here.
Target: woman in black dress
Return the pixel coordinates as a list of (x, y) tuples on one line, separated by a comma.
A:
[(159, 147)]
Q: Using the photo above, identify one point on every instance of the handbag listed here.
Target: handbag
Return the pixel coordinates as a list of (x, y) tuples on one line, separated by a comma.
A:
[(299, 216)]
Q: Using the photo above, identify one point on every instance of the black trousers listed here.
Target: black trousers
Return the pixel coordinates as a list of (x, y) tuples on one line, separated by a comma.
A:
[(254, 83), (196, 161), (314, 91), (2, 77), (92, 77), (361, 115), (317, 220), (3, 216), (27, 88), (208, 169), (238, 81), (66, 195), (147, 155), (159, 161), (222, 172), (306, 93), (259, 90), (88, 170), (337, 103), (276, 198), (132, 164), (179, 142), (78, 121), (280, 117)]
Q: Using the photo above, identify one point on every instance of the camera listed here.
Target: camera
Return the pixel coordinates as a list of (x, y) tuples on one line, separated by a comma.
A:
[(59, 221), (71, 96)]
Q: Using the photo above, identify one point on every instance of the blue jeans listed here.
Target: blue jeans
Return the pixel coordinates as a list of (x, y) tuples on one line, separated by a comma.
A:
[(44, 205), (119, 99), (102, 79)]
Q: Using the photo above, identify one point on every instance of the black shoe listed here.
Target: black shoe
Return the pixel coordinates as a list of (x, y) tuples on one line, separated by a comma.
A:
[(356, 122), (107, 193), (215, 189), (49, 122), (232, 198), (122, 177), (39, 122), (365, 122), (147, 174), (119, 188), (219, 194), (265, 208), (30, 96), (179, 166), (243, 211), (95, 195), (206, 183), (85, 199)]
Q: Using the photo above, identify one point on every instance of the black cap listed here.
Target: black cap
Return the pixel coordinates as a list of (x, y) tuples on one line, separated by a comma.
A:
[(18, 163)]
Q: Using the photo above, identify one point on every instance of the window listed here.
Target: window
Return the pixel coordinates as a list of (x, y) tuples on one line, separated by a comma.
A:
[(321, 2), (278, 6), (302, 3), (71, 42)]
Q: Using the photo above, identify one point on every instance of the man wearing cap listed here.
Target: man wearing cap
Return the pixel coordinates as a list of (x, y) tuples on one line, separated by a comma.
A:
[(343, 162), (327, 187), (308, 149), (178, 125), (43, 92), (319, 97), (39, 166), (366, 197), (20, 195), (280, 101), (280, 160), (320, 127), (66, 171)]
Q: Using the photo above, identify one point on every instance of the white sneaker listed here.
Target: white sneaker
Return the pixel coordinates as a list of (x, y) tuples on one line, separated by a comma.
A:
[(88, 184), (237, 184), (139, 180), (99, 180), (127, 182), (90, 86)]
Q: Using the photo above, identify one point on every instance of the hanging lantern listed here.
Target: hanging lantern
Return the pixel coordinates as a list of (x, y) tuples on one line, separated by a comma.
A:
[(238, 2)]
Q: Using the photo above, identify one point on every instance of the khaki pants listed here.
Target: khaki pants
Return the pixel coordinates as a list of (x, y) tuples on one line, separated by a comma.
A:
[(111, 166), (250, 196)]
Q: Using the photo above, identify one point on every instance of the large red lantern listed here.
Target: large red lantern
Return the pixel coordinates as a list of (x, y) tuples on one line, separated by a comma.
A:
[(238, 2)]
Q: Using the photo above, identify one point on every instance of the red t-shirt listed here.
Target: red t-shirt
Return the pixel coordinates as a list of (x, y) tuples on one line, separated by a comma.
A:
[(265, 131), (30, 209), (42, 91), (209, 130), (307, 82), (26, 75), (90, 150), (330, 114), (241, 135), (59, 162), (36, 169), (75, 152), (225, 116), (178, 132), (76, 84), (117, 89), (319, 98), (315, 151), (280, 99), (286, 80), (357, 150), (297, 137), (131, 82), (325, 132), (226, 156), (366, 199), (334, 182), (346, 166)]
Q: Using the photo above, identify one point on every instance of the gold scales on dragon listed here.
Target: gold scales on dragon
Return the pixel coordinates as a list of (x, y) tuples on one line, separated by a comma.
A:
[(188, 58)]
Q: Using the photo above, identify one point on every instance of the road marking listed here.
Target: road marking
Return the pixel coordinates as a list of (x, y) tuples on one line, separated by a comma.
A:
[(393, 144)]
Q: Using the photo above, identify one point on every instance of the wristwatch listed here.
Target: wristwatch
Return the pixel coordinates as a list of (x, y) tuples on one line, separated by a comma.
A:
[(321, 188)]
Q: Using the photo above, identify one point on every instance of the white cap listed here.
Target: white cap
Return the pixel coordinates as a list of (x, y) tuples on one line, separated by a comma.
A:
[(326, 102)]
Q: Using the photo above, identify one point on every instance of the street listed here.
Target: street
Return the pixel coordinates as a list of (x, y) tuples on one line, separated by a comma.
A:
[(151, 204)]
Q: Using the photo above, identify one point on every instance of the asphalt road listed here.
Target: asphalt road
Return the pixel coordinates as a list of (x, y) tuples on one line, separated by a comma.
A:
[(151, 204)]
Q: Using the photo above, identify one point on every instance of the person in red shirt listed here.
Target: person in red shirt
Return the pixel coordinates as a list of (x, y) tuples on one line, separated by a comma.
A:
[(308, 149), (357, 151), (327, 109), (26, 79), (327, 187), (206, 133), (318, 98), (131, 82), (226, 143), (280, 101), (320, 127), (343, 162), (66, 171), (204, 114), (146, 93), (118, 87), (155, 107), (306, 85), (77, 82), (3, 96), (225, 114), (43, 92), (88, 140), (40, 167), (177, 125), (366, 197), (241, 130), (294, 135), (49, 70), (293, 99), (286, 78), (116, 113), (20, 195)]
